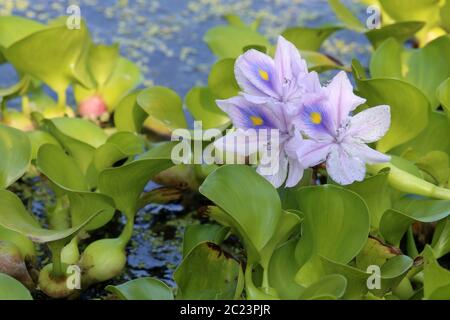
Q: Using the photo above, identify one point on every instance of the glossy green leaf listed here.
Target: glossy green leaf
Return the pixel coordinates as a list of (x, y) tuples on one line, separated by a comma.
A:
[(441, 238), (221, 79), (25, 245), (376, 194), (129, 116), (331, 287), (336, 225), (445, 16), (411, 10), (411, 107), (309, 39), (125, 184), (392, 273), (346, 16), (197, 233), (426, 141), (125, 77), (11, 289), (436, 165), (68, 51), (164, 107), (386, 61), (375, 253), (254, 199), (443, 95), (15, 28), (436, 280), (408, 210), (102, 62), (142, 289), (230, 41), (209, 273), (427, 68), (401, 31), (319, 62), (282, 271), (201, 104), (39, 138), (14, 216), (15, 150)]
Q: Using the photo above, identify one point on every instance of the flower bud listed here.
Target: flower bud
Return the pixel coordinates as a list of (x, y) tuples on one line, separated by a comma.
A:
[(102, 260), (92, 107)]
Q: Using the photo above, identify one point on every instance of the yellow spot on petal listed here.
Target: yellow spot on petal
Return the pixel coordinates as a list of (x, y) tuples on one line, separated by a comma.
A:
[(264, 75), (257, 121), (316, 118)]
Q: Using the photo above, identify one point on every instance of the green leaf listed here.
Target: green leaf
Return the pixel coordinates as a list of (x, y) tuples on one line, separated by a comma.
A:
[(411, 106), (331, 287), (142, 289), (125, 184), (79, 138), (197, 233), (375, 253), (125, 77), (441, 238), (121, 146), (411, 10), (319, 62), (15, 28), (229, 41), (346, 16), (282, 271), (436, 165), (15, 217), (406, 211), (15, 150), (336, 225), (427, 68), (376, 193), (164, 107), (202, 105), (37, 139), (254, 199), (221, 79), (386, 61), (436, 280), (309, 39), (129, 116), (445, 16), (400, 31), (102, 62), (68, 51), (443, 94), (208, 273), (62, 171), (13, 289), (426, 141), (392, 273)]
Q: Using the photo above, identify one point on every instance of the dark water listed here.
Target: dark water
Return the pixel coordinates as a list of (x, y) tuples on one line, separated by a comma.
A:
[(165, 39)]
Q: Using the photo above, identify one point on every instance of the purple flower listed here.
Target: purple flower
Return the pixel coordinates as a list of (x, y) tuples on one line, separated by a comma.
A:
[(280, 81), (263, 129), (336, 137)]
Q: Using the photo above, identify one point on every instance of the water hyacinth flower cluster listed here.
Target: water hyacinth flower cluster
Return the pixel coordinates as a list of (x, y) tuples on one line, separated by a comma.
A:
[(316, 123)]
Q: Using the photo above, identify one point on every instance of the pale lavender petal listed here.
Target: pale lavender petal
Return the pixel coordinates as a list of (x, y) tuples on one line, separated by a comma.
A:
[(370, 125), (316, 121), (312, 153), (343, 168), (295, 174), (341, 99), (256, 75), (365, 153), (247, 115), (288, 61), (279, 177)]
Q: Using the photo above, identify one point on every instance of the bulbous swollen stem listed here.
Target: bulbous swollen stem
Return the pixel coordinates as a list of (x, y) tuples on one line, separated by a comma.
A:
[(408, 183)]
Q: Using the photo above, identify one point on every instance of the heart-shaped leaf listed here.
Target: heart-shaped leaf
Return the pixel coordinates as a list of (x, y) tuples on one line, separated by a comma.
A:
[(15, 150), (197, 233), (221, 80), (15, 28), (13, 289), (400, 31), (254, 199), (142, 289), (331, 287), (309, 39), (209, 273), (129, 116), (386, 61), (14, 216)]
